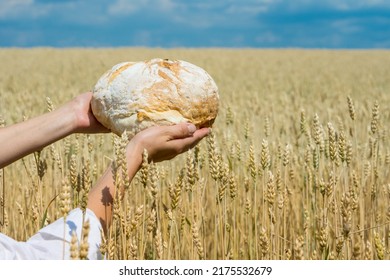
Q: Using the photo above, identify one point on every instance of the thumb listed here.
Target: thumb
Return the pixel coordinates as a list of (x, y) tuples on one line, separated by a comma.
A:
[(181, 130)]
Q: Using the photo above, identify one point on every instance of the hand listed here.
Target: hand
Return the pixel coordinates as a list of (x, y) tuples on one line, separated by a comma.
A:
[(163, 142), (85, 120)]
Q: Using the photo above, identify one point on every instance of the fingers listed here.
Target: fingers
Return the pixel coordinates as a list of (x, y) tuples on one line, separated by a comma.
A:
[(166, 142), (88, 95), (180, 130), (201, 133), (184, 144)]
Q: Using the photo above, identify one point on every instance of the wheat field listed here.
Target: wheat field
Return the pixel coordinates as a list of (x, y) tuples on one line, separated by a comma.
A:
[(297, 165)]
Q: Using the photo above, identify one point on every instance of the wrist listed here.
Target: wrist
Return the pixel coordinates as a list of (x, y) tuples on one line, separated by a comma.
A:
[(63, 121), (134, 153), (78, 118), (70, 112)]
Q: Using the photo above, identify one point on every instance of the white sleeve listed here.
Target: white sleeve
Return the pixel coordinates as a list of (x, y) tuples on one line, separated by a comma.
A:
[(53, 241)]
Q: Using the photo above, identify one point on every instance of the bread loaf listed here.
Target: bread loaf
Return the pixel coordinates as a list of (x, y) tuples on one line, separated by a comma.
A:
[(133, 96)]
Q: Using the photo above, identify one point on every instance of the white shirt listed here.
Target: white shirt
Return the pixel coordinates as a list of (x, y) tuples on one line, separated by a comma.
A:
[(48, 243)]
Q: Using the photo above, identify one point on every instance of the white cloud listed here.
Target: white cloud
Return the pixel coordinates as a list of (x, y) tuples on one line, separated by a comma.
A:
[(86, 12), (267, 21), (142, 38), (125, 7), (205, 14), (334, 4), (247, 8), (166, 5), (363, 3), (346, 26), (267, 38), (346, 5), (10, 3), (12, 8), (31, 9)]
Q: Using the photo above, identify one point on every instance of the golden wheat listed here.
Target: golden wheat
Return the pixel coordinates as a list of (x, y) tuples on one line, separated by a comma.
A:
[(296, 166)]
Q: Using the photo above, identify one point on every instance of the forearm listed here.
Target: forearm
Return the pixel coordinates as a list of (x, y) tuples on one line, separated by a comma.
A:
[(21, 139), (161, 143), (101, 197)]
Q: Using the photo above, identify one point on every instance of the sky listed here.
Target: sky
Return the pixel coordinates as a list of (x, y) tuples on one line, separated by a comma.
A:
[(335, 24)]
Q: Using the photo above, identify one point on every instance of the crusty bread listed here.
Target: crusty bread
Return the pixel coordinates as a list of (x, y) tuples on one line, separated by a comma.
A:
[(133, 96)]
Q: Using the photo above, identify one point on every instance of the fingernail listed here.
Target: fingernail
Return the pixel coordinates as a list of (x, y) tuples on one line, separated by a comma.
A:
[(191, 128)]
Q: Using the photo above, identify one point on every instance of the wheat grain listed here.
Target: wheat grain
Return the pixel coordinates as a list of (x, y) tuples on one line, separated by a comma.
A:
[(351, 108), (327, 192), (74, 247), (375, 117), (84, 244)]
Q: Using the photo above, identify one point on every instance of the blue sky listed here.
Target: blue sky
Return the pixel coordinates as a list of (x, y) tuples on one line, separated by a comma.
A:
[(196, 23)]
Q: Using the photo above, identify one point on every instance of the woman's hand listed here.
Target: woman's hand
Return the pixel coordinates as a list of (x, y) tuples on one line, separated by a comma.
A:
[(23, 138), (162, 143), (85, 121)]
